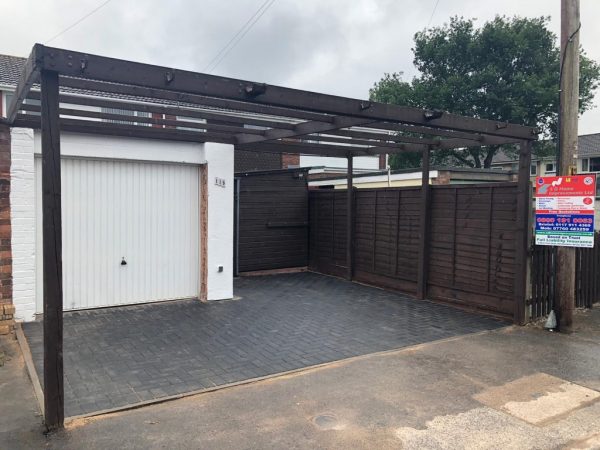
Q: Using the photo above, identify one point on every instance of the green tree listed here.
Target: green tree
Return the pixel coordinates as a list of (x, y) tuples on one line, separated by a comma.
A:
[(507, 70)]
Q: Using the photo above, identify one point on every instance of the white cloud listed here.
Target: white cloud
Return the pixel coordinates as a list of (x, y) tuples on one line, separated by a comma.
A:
[(332, 46)]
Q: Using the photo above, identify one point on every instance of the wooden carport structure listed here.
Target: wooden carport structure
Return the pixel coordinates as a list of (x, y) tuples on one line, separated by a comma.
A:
[(197, 107)]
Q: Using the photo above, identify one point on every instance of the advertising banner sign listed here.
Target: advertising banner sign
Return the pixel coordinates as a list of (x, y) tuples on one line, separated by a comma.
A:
[(564, 210)]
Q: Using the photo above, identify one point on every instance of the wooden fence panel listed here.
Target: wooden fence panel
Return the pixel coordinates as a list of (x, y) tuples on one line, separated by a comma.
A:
[(327, 243), (471, 245), (587, 278), (587, 267), (387, 237)]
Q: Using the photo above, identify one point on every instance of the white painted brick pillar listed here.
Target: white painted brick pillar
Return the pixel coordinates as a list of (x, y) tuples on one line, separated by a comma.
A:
[(22, 201)]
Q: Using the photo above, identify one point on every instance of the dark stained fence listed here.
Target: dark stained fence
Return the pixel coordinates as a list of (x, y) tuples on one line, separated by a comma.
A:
[(471, 245), (587, 278), (328, 232), (273, 220), (587, 266), (542, 281), (386, 237)]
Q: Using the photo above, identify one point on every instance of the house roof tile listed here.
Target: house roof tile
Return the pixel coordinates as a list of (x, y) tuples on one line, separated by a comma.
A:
[(589, 145), (10, 69)]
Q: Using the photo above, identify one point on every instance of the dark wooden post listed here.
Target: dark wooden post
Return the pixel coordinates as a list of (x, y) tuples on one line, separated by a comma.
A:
[(424, 221), (522, 232), (52, 248), (350, 219)]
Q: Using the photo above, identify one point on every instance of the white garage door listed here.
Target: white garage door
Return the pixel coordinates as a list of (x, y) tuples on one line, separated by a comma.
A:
[(130, 232)]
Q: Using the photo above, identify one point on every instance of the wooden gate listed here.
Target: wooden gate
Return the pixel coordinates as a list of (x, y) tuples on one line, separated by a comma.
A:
[(271, 220)]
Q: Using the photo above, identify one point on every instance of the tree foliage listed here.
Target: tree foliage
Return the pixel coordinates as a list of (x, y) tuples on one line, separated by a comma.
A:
[(506, 70)]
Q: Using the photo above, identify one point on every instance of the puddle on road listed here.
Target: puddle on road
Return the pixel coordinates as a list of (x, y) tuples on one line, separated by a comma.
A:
[(328, 421)]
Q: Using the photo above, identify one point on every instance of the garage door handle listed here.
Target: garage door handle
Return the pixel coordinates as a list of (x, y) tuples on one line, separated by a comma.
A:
[(123, 262)]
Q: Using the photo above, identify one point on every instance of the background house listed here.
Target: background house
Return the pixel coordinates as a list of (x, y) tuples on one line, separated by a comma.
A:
[(588, 160), (412, 178)]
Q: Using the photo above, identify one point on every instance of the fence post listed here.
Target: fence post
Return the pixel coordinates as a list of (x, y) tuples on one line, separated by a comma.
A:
[(522, 266), (423, 267), (349, 219)]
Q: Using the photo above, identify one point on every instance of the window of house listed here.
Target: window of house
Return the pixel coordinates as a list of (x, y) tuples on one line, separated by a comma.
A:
[(533, 169), (550, 167), (594, 165), (125, 112), (585, 165), (143, 114), (8, 96), (194, 120), (7, 99), (32, 101), (122, 112)]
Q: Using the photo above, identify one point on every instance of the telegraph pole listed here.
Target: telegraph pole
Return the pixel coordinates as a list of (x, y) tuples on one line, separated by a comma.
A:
[(568, 117)]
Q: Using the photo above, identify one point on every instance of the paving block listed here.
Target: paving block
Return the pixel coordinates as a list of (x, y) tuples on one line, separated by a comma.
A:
[(283, 322)]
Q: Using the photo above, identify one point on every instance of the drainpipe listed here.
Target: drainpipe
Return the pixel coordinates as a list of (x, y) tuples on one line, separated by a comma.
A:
[(387, 166)]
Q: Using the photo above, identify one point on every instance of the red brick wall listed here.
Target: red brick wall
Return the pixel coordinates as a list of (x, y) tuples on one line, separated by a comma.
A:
[(5, 229), (382, 165), (290, 159)]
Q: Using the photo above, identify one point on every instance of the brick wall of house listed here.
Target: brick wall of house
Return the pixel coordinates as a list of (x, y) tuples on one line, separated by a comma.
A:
[(443, 177), (329, 174), (290, 159), (6, 307)]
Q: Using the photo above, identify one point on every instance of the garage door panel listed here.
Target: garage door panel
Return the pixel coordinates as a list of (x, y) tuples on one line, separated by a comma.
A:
[(146, 213)]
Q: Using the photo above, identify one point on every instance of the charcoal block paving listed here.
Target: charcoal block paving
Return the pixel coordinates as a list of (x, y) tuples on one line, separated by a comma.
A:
[(118, 356)]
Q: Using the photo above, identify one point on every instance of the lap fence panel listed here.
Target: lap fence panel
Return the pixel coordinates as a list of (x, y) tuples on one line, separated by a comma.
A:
[(471, 243)]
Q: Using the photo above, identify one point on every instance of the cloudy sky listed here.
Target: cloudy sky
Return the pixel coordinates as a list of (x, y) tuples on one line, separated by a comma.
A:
[(334, 46)]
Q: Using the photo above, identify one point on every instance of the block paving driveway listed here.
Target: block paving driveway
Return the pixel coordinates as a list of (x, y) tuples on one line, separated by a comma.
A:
[(121, 356)]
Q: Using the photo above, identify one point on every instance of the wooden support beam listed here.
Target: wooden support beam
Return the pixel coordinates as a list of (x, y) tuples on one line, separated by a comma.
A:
[(149, 94), (456, 139), (168, 123), (378, 135), (269, 113), (246, 135), (136, 131), (246, 113), (194, 111), (28, 77), (350, 219), (303, 129), (354, 141), (305, 149), (113, 70), (52, 255), (310, 149), (424, 224), (522, 233), (475, 137)]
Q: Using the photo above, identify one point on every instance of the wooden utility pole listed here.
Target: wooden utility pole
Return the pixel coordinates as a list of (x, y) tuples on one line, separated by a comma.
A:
[(568, 116)]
